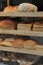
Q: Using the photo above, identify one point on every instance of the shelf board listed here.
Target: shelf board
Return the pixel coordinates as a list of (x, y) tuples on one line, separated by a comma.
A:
[(21, 50), (21, 32), (22, 14)]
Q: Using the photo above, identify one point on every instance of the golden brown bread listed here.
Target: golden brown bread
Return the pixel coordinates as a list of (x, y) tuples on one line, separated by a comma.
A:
[(10, 9), (7, 24), (6, 43), (15, 8), (29, 44), (18, 43)]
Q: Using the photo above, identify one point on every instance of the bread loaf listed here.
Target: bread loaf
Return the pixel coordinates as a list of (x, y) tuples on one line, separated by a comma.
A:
[(18, 43), (29, 44), (24, 26), (7, 24), (39, 47), (37, 26), (6, 43), (10, 9), (27, 7), (15, 8)]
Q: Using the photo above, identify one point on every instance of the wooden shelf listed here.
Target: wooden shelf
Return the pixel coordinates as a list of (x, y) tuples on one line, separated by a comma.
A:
[(22, 14), (21, 50), (21, 32)]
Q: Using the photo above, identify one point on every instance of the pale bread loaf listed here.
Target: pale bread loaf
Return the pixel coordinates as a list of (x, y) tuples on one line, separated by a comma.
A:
[(27, 7), (24, 26), (6, 43)]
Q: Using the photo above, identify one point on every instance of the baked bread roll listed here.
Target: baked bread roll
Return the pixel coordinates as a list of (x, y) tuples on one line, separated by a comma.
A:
[(6, 43), (24, 26), (18, 43), (29, 44), (7, 24), (27, 7), (8, 9), (15, 8)]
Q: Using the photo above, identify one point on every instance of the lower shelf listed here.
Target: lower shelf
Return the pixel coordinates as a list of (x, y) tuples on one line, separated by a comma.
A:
[(22, 50)]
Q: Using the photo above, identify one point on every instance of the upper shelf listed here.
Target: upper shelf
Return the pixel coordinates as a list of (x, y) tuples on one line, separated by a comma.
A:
[(21, 32), (22, 14)]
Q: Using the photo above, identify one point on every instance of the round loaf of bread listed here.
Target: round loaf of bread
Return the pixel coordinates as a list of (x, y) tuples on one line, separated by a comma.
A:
[(7, 24), (29, 44), (27, 7), (8, 9), (15, 8), (18, 43)]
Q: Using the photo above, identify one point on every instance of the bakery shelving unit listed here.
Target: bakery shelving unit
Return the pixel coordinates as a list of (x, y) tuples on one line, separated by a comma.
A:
[(22, 14), (22, 32)]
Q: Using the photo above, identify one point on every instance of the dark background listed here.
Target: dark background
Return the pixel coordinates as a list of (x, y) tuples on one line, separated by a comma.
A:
[(39, 3)]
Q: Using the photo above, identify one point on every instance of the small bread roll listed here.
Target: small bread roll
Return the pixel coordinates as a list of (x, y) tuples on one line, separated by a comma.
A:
[(24, 26), (15, 8), (7, 24), (27, 7), (29, 44), (6, 43), (18, 43), (8, 9)]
